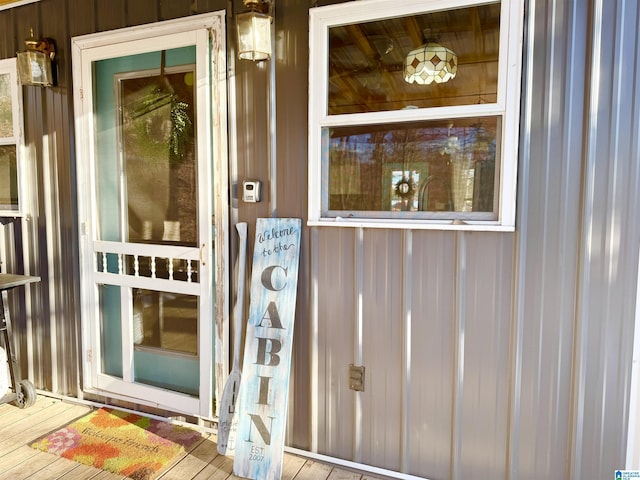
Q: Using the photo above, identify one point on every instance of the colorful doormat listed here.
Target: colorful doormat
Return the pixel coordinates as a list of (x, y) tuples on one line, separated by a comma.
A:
[(120, 442)]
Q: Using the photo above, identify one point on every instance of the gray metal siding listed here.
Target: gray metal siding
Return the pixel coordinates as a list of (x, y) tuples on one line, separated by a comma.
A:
[(430, 376), (610, 239), (487, 355), (379, 346), (550, 187), (533, 329), (336, 279)]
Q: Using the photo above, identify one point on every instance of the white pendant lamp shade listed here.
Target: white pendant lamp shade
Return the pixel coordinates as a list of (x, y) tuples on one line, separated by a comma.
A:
[(430, 63)]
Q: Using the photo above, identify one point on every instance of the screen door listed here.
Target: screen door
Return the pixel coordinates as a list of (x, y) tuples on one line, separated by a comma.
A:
[(148, 237)]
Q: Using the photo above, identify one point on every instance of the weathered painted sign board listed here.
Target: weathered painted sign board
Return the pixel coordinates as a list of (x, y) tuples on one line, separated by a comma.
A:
[(264, 392)]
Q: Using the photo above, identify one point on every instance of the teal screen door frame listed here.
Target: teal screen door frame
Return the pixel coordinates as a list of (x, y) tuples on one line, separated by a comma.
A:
[(151, 166)]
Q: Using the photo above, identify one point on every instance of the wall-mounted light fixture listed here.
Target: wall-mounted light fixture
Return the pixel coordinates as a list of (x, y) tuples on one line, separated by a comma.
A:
[(254, 30), (34, 64), (430, 62)]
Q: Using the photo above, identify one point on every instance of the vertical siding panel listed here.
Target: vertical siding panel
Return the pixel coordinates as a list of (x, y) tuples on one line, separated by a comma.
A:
[(174, 9), (65, 355), (8, 42), (249, 134), (26, 18), (431, 372), (632, 151), (291, 71), (382, 347), (547, 244), (81, 19), (62, 237), (110, 14), (485, 392), (606, 307), (54, 25), (51, 219), (32, 241), (142, 11), (336, 327), (202, 6)]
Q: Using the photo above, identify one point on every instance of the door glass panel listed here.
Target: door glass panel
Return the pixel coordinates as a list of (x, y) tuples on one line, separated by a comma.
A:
[(180, 373), (146, 147), (165, 320), (165, 336), (158, 146), (111, 328)]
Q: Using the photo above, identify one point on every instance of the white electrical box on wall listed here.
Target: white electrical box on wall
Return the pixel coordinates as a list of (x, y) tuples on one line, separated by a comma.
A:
[(251, 191)]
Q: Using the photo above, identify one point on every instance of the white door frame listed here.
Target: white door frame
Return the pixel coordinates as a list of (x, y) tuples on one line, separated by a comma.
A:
[(207, 32)]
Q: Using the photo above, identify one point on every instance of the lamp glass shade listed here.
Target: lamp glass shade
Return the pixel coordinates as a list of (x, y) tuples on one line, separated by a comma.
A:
[(430, 63), (254, 36), (34, 68)]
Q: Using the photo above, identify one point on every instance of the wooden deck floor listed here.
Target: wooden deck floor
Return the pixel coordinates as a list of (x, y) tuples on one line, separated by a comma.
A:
[(18, 461)]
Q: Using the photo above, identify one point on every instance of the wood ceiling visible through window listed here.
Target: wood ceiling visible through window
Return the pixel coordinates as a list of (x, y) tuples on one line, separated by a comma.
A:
[(366, 61)]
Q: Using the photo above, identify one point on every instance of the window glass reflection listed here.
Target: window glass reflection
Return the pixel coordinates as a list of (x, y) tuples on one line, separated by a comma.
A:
[(8, 178), (165, 320), (432, 166), (6, 112), (158, 143), (366, 61)]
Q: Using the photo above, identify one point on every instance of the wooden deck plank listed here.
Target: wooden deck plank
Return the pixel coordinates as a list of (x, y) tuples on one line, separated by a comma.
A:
[(314, 471), (21, 419), (10, 413), (103, 475), (41, 423), (219, 469), (86, 472), (18, 461), (58, 467), (193, 462), (292, 466), (339, 474)]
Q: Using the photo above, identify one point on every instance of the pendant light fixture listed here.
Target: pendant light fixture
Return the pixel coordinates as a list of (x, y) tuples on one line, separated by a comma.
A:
[(429, 63)]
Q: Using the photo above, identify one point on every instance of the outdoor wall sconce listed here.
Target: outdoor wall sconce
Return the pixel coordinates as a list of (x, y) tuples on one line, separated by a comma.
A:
[(254, 30), (34, 64), (430, 62)]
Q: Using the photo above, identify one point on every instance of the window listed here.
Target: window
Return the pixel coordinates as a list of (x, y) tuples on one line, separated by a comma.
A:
[(413, 114), (10, 140)]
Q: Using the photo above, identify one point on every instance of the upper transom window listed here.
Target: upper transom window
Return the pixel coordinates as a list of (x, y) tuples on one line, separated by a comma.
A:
[(413, 113)]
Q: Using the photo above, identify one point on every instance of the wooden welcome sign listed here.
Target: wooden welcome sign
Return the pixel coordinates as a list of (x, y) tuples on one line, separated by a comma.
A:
[(264, 391)]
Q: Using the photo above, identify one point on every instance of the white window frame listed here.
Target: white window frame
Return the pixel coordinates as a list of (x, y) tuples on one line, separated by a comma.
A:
[(16, 3), (507, 107), (9, 67)]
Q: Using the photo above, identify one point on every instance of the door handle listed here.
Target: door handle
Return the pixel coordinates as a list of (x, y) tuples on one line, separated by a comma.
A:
[(202, 259)]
